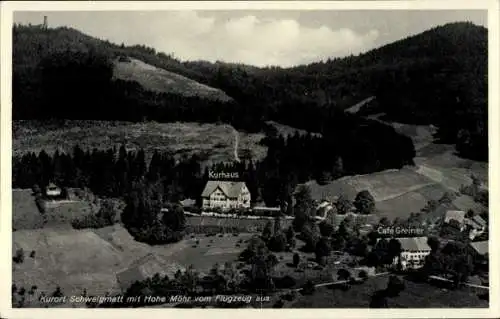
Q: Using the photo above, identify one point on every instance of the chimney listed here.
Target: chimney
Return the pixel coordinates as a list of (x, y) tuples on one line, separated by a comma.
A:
[(45, 22)]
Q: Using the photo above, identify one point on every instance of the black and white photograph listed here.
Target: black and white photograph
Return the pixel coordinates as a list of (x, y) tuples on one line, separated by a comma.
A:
[(250, 158)]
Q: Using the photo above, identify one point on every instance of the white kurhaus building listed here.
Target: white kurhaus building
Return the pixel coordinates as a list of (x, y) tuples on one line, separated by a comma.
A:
[(225, 195)]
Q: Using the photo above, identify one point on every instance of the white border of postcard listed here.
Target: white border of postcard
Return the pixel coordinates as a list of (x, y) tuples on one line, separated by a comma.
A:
[(6, 311)]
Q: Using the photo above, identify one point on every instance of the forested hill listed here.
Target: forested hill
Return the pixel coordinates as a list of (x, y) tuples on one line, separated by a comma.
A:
[(438, 76)]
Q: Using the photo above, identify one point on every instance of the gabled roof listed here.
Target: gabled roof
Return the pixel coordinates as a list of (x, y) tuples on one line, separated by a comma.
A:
[(414, 244), (52, 185), (457, 215), (230, 189), (479, 220), (481, 247)]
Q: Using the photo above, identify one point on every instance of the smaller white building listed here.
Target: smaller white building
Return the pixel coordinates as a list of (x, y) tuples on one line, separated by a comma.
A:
[(458, 216), (52, 190), (414, 250)]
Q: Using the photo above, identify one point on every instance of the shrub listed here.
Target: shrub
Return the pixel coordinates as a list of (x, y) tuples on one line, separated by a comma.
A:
[(21, 291), (32, 254), (308, 288), (289, 296), (58, 292), (363, 275), (40, 204), (14, 288), (285, 282), (296, 259), (90, 221), (19, 257)]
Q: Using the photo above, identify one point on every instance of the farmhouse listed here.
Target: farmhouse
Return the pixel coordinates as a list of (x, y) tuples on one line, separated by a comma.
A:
[(413, 252), (323, 209), (480, 253), (52, 190), (475, 224), (457, 216), (225, 195)]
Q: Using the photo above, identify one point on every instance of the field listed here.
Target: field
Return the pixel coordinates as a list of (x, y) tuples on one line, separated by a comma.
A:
[(400, 192), (160, 80), (25, 213), (213, 142), (91, 259), (204, 224), (415, 295)]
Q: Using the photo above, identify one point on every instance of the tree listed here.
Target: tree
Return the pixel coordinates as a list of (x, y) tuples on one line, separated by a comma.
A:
[(343, 205), (447, 198), (394, 286), (430, 206), (363, 275), (278, 242), (326, 229), (433, 243), (19, 257), (267, 232), (310, 236), (322, 250), (277, 225), (379, 300), (58, 292), (296, 260), (470, 213), (303, 207), (394, 248), (344, 275), (107, 212), (308, 288), (290, 237), (37, 191), (364, 203)]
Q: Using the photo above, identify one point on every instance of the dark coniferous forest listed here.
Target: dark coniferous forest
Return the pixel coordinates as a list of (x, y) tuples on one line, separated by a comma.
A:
[(437, 77)]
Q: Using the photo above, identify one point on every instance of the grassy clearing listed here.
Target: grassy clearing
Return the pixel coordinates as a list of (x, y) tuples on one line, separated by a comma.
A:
[(74, 260), (200, 223), (160, 80), (416, 295), (90, 259), (382, 185), (286, 130), (203, 252), (214, 142), (25, 213)]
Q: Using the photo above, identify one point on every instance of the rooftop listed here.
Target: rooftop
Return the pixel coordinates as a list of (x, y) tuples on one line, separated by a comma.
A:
[(230, 189), (414, 244), (457, 215), (480, 246)]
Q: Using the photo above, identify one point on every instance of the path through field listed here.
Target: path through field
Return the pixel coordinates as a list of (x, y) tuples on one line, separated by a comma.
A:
[(236, 140)]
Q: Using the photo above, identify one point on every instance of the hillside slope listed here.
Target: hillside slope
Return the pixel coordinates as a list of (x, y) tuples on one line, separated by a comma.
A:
[(436, 77), (159, 80)]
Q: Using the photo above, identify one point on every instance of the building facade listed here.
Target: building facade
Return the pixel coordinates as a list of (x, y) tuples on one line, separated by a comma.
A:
[(225, 195), (414, 250)]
